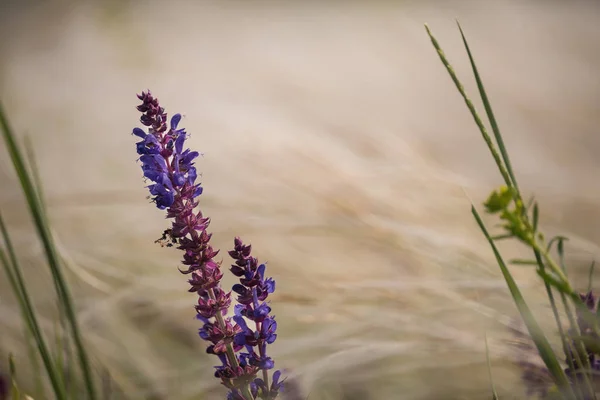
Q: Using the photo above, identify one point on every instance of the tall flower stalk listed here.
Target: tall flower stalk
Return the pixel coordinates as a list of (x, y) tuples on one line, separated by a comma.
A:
[(173, 187)]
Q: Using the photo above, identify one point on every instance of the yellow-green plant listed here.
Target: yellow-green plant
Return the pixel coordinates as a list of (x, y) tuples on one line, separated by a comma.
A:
[(519, 220)]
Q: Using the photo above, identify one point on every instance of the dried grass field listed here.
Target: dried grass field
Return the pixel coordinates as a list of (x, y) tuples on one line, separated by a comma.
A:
[(336, 144)]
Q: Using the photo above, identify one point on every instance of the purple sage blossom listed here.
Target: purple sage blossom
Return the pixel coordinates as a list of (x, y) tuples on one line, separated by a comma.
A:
[(171, 170), (252, 291)]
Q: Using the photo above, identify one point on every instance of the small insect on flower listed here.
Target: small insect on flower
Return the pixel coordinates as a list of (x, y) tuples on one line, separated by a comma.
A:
[(166, 239)]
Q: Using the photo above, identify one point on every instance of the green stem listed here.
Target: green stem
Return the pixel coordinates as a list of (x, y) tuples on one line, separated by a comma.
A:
[(17, 281), (554, 267), (52, 257), (471, 107)]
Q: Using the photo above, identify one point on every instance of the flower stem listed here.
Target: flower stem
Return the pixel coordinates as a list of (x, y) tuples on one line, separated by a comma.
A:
[(230, 353)]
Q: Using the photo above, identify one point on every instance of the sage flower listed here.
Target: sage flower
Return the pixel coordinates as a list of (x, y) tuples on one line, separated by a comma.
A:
[(170, 168)]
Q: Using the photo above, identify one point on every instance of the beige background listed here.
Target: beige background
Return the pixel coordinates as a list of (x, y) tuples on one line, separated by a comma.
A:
[(335, 142)]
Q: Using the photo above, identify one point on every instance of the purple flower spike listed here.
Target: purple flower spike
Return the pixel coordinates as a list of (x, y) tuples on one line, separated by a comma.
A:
[(170, 168), (164, 161), (252, 291)]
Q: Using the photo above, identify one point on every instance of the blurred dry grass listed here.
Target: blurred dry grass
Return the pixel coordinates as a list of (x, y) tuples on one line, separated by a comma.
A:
[(336, 144)]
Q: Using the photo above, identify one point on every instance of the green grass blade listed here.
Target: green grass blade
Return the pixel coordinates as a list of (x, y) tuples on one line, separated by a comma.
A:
[(555, 239), (590, 276), (503, 236), (489, 112), (35, 363), (63, 342), (17, 281), (38, 215), (14, 388), (472, 109), (38, 189), (518, 261), (580, 351), (536, 217), (560, 248), (59, 359), (540, 340), (489, 366), (35, 174), (567, 342)]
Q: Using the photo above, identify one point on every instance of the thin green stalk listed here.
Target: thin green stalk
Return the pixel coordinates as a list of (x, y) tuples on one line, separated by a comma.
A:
[(590, 276), (472, 109), (489, 366), (13, 271), (490, 113), (537, 334), (35, 174), (563, 337), (558, 271), (35, 363), (39, 191), (580, 351), (580, 345), (64, 346), (59, 359), (50, 250), (14, 388)]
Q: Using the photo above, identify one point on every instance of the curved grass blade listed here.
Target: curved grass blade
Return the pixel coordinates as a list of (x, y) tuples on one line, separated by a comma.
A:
[(489, 112), (540, 340), (518, 261), (476, 117), (591, 275), (14, 388), (15, 277), (41, 225), (62, 337), (489, 367)]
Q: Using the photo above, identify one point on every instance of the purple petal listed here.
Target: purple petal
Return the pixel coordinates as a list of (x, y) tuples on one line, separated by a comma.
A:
[(175, 121), (261, 271), (241, 322), (139, 132), (276, 376), (270, 285), (179, 143)]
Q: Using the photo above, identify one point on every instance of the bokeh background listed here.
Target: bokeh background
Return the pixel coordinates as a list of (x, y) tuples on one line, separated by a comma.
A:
[(336, 144)]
